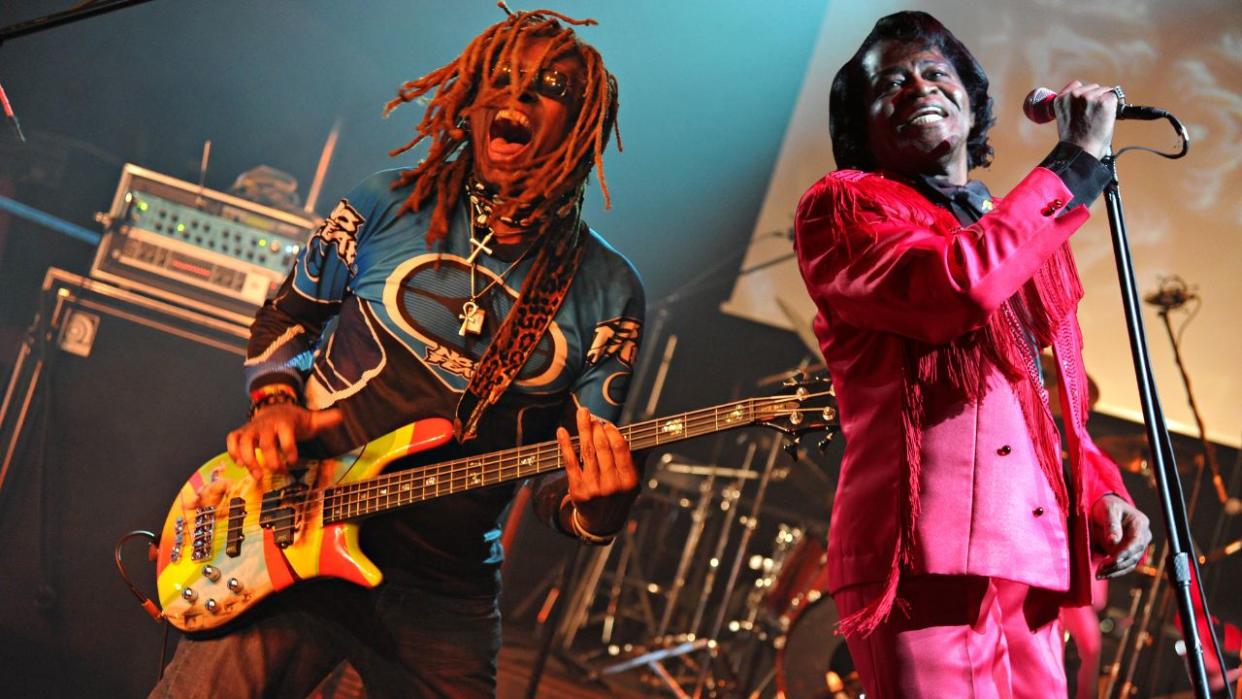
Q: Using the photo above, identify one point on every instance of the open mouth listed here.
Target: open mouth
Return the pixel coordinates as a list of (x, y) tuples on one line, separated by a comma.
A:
[(925, 115), (510, 133)]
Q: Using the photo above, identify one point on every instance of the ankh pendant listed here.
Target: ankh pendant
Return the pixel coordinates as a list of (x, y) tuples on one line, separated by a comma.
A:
[(471, 319)]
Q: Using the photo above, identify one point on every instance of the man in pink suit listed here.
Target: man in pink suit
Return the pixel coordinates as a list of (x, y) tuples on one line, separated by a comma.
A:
[(956, 532)]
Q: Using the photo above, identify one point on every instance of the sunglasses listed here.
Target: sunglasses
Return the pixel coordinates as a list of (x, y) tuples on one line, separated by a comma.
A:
[(549, 82)]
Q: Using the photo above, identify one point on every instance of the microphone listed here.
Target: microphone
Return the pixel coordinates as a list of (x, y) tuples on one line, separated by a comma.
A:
[(1038, 108)]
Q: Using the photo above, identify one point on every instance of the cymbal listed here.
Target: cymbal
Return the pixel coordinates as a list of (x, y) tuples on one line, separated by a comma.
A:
[(1130, 452), (689, 478), (1049, 365)]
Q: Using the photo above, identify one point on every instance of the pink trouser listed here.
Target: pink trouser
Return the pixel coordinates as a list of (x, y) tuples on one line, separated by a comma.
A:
[(963, 636)]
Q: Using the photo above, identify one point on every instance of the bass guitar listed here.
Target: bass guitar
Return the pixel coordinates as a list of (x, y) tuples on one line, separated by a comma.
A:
[(229, 542)]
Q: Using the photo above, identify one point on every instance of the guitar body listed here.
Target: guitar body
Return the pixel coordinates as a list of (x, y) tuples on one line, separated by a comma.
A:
[(229, 542)]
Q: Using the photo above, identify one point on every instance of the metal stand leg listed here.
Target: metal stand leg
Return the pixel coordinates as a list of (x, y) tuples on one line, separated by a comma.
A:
[(1163, 463)]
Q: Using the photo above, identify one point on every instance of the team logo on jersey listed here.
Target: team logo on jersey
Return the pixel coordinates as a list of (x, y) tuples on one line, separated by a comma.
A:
[(618, 338), (450, 361), (423, 297), (340, 232)]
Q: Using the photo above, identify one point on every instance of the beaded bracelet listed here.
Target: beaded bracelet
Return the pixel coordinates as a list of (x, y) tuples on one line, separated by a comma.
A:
[(271, 394)]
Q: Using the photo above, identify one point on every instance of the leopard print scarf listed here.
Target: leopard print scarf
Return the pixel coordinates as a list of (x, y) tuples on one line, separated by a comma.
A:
[(544, 290)]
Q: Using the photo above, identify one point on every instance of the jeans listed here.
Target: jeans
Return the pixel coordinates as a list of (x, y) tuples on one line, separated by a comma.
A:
[(403, 642)]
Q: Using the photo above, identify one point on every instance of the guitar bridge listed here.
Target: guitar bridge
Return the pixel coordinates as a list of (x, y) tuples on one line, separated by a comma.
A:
[(204, 531)]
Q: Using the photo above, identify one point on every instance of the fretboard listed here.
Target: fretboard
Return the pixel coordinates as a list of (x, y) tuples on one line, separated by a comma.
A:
[(391, 491)]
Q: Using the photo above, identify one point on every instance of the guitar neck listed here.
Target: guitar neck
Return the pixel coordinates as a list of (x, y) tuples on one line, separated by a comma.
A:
[(391, 491)]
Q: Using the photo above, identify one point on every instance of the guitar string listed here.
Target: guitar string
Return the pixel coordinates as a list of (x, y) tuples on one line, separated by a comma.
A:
[(455, 475), (367, 491), (543, 465), (636, 431)]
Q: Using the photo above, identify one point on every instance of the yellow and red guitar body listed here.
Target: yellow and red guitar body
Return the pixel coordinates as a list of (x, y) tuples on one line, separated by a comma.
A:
[(229, 542)]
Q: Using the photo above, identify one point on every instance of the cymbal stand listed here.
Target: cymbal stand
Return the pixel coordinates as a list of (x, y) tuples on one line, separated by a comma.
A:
[(689, 644), (698, 522), (631, 557), (729, 503), (684, 642), (1138, 631), (713, 654)]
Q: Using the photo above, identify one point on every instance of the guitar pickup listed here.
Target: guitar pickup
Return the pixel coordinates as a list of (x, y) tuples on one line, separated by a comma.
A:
[(234, 536), (280, 512)]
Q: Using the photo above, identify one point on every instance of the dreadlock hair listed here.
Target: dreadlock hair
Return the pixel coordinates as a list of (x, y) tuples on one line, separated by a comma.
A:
[(543, 187), (847, 120)]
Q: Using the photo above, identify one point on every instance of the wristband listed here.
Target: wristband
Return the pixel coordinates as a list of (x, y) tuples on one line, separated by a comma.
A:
[(583, 533), (272, 394), (270, 389)]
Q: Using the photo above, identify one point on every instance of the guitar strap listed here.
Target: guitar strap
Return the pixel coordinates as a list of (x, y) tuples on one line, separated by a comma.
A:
[(544, 290)]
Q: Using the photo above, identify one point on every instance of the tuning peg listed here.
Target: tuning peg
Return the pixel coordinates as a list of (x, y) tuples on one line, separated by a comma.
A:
[(796, 380), (791, 447), (823, 443)]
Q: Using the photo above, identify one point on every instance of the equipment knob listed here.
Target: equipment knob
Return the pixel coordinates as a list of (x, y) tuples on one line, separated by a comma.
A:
[(212, 606), (211, 572), (234, 585), (189, 595)]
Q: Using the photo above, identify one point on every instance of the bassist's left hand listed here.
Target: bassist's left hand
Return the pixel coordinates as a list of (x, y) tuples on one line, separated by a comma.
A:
[(604, 482)]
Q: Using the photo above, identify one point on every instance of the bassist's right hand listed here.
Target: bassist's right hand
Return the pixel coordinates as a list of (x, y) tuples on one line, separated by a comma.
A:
[(269, 442)]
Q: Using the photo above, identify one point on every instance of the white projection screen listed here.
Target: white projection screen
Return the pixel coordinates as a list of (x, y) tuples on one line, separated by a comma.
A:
[(1184, 216)]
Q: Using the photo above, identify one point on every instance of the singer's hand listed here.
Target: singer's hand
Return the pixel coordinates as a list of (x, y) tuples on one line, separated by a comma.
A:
[(1085, 116), (1120, 532)]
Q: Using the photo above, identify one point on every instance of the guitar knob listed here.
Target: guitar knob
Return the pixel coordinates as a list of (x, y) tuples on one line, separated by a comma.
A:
[(189, 595), (212, 606), (234, 585), (212, 573)]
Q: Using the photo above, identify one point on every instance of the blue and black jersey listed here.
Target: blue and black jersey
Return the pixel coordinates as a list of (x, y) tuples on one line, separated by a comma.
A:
[(368, 322)]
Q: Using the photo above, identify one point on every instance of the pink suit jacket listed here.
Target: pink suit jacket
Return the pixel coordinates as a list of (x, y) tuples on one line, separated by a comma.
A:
[(892, 269)]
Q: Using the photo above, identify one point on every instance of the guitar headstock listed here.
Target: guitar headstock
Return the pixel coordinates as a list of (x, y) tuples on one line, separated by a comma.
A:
[(805, 404)]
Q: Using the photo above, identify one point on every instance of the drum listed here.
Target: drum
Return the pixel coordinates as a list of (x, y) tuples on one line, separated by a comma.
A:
[(811, 661), (799, 567)]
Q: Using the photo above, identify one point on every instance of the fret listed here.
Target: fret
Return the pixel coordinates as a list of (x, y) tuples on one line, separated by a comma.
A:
[(390, 491), (530, 461)]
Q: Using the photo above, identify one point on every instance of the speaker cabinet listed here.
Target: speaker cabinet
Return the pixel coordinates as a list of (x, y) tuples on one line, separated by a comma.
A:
[(114, 400)]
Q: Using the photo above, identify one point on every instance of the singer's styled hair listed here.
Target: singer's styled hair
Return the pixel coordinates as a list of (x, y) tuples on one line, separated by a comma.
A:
[(549, 179), (847, 112)]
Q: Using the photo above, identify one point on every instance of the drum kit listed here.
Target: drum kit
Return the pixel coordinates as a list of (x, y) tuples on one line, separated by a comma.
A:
[(717, 585)]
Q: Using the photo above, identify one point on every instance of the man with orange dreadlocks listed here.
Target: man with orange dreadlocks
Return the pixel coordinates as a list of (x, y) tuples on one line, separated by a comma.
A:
[(467, 288)]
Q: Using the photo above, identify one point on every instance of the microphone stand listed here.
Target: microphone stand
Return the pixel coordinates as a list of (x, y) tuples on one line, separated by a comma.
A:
[(1164, 467)]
